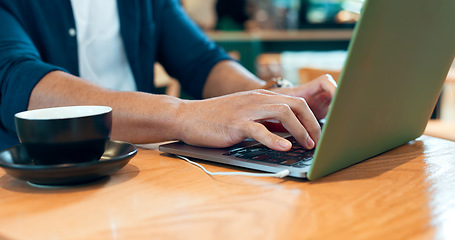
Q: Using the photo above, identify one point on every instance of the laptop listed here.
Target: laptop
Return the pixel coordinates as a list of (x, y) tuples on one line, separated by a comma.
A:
[(398, 59)]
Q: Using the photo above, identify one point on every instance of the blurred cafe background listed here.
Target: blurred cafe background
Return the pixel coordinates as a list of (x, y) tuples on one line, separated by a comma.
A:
[(294, 39), (260, 33)]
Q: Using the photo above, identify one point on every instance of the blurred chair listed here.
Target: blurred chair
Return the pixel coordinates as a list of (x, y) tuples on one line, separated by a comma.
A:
[(445, 126), (447, 109), (171, 85), (307, 74), (441, 129), (268, 66), (163, 80)]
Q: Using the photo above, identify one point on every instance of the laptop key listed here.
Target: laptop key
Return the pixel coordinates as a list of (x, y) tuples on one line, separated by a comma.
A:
[(273, 160), (300, 164), (307, 159), (262, 157), (249, 154), (292, 154), (289, 162), (235, 151), (301, 151)]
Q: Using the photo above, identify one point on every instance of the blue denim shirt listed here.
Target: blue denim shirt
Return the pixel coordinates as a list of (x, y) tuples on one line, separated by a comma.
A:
[(35, 39)]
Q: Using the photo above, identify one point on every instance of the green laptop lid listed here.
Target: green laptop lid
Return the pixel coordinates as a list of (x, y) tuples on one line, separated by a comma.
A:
[(397, 62)]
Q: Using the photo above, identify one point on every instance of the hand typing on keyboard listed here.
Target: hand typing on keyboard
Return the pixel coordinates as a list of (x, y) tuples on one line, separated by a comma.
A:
[(228, 120), (297, 156)]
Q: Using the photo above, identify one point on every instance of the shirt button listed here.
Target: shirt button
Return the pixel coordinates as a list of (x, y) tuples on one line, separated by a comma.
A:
[(72, 32)]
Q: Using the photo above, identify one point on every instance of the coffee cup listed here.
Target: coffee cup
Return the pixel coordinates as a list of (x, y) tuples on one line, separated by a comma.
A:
[(64, 135)]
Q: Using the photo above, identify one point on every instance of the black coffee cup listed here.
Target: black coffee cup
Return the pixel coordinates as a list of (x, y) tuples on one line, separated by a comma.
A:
[(64, 135)]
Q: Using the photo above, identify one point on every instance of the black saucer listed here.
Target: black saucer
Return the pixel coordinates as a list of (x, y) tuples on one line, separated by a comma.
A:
[(18, 164)]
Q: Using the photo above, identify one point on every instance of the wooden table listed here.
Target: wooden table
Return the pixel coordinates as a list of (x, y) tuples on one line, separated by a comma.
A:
[(407, 193)]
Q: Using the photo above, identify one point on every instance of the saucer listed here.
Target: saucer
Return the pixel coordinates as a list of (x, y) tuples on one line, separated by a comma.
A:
[(16, 162)]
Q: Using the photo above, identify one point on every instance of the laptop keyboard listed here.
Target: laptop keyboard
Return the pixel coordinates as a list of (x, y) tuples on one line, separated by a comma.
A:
[(298, 156)]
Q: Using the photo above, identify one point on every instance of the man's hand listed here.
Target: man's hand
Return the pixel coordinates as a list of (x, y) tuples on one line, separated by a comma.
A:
[(227, 120), (318, 94)]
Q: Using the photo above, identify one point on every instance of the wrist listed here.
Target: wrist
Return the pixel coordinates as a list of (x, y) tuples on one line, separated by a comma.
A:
[(277, 82)]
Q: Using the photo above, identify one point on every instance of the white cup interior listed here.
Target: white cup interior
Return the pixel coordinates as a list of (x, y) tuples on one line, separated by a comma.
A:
[(63, 112)]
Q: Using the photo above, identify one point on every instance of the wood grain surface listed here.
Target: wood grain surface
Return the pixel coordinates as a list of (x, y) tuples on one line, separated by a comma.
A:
[(406, 193)]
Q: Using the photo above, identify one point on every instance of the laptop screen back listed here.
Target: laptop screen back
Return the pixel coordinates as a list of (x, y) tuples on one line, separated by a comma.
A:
[(397, 62)]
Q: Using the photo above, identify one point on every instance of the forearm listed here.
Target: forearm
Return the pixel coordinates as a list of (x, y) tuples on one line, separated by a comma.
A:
[(229, 77), (137, 117)]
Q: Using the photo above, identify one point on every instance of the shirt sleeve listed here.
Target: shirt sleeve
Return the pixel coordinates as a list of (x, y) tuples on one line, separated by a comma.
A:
[(21, 68), (184, 50)]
